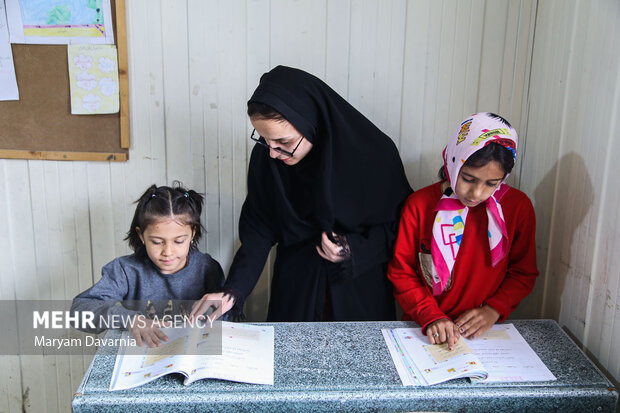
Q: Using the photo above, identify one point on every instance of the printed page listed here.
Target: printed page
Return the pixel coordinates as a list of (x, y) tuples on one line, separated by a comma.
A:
[(8, 81), (435, 363), (507, 356), (247, 355), (138, 365), (405, 368)]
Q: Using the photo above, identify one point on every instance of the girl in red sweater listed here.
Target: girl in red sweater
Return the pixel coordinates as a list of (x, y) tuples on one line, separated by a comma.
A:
[(465, 253)]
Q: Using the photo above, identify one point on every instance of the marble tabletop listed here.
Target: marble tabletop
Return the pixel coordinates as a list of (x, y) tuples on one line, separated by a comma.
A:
[(346, 366)]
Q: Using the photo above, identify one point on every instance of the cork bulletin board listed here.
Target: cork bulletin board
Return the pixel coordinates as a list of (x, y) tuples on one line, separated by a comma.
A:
[(40, 125)]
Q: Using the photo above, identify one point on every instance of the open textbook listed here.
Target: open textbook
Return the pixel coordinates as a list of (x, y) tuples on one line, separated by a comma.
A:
[(499, 355), (242, 352)]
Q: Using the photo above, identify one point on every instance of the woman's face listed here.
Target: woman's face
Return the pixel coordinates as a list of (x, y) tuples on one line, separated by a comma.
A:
[(282, 134), (476, 185)]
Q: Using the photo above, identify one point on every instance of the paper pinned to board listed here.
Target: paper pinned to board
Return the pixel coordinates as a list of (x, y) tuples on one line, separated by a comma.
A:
[(8, 81), (60, 21), (93, 76)]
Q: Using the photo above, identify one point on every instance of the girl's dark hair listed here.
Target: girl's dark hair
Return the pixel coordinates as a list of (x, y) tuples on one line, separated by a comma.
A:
[(165, 202), (491, 152), (262, 111), (499, 118)]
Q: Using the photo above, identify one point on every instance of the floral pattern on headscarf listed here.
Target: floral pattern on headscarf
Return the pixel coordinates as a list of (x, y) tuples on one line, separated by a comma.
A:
[(474, 133)]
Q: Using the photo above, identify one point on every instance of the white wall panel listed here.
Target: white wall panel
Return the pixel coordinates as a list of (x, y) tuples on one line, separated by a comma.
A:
[(603, 332), (539, 166), (297, 32), (376, 57), (460, 58), (337, 45), (572, 148), (175, 56), (603, 121), (414, 67), (11, 378)]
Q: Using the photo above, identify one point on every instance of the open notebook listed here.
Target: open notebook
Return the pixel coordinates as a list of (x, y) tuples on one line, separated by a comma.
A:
[(239, 352), (499, 355)]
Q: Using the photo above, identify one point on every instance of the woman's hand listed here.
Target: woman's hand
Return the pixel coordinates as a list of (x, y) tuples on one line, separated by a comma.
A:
[(443, 331), (331, 251), (472, 323), (221, 301), (144, 331)]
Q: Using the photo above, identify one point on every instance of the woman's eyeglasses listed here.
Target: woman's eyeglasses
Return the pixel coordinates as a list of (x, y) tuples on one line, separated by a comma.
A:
[(261, 141)]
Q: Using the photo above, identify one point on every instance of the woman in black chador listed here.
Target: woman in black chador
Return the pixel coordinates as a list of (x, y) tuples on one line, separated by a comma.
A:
[(326, 185)]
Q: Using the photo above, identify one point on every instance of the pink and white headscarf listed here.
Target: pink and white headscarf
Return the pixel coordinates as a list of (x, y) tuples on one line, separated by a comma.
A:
[(474, 133)]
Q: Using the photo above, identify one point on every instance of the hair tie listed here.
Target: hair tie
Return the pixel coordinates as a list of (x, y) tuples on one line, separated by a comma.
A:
[(186, 195)]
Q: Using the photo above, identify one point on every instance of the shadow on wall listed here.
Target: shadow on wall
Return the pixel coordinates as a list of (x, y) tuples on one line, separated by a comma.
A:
[(574, 195)]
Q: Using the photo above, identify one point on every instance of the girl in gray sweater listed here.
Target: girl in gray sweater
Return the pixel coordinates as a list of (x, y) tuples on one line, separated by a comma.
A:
[(165, 274)]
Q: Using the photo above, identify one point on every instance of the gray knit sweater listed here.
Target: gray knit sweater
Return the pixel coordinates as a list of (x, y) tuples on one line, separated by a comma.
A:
[(134, 282)]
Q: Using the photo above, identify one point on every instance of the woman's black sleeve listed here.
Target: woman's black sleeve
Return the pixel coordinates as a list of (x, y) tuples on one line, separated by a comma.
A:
[(371, 247), (256, 232), (249, 260)]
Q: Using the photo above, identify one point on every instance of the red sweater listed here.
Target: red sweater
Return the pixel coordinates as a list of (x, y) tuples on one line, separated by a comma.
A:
[(475, 281)]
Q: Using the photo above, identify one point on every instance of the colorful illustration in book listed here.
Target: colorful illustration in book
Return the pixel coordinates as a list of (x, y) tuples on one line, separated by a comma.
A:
[(495, 335), (169, 349), (440, 352)]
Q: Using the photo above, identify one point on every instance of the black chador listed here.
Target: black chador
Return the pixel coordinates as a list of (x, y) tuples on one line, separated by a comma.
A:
[(351, 183)]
